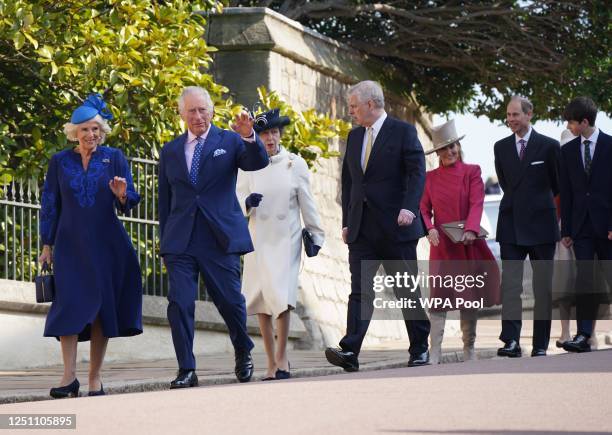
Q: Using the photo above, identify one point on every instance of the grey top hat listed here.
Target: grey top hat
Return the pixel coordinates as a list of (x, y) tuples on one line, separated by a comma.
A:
[(444, 135)]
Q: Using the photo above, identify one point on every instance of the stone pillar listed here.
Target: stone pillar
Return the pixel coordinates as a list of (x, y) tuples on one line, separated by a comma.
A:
[(308, 70)]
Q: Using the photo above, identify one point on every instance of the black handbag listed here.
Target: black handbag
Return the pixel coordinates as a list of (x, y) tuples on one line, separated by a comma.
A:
[(45, 285), (309, 245)]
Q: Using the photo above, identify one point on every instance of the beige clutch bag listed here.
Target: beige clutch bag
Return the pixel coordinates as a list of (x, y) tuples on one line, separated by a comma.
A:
[(454, 231)]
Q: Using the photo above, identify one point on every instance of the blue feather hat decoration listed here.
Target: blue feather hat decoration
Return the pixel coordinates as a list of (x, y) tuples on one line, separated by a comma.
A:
[(92, 106)]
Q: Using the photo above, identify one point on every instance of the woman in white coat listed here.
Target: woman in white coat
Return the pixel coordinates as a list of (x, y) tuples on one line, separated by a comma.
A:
[(274, 198)]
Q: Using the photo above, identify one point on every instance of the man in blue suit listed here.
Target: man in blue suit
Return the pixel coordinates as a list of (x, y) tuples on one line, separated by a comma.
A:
[(383, 176), (202, 227), (586, 210)]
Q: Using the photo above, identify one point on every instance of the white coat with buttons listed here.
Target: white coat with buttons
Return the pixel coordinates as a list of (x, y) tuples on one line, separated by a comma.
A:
[(270, 275)]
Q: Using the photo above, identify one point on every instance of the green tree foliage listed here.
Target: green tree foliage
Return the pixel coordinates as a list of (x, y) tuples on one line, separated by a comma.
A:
[(473, 54), (138, 53), (309, 133)]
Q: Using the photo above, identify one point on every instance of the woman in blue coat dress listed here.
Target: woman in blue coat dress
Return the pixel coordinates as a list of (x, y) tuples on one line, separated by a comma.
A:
[(97, 274)]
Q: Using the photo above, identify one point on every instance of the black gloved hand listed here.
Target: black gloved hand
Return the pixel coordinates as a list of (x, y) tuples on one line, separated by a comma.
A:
[(253, 200)]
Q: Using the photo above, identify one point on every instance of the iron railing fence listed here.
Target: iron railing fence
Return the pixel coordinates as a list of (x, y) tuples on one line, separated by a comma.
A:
[(20, 244)]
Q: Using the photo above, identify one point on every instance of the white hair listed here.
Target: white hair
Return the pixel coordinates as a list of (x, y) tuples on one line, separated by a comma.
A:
[(194, 90), (70, 129), (368, 90)]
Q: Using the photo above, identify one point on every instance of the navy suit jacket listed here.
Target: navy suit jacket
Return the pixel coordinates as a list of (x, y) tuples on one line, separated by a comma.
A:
[(527, 214), (394, 179), (583, 196), (214, 194)]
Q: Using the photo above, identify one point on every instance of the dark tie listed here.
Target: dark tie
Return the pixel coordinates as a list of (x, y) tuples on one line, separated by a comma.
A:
[(587, 157), (195, 162), (522, 151)]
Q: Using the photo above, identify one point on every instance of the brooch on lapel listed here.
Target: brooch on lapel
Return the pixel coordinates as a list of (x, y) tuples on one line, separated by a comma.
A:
[(219, 152), (105, 160)]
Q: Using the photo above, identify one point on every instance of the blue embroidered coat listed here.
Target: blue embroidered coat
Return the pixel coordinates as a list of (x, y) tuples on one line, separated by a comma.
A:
[(95, 265)]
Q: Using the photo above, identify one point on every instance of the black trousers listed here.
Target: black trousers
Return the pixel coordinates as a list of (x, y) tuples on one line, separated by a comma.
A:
[(371, 249), (588, 297), (512, 287)]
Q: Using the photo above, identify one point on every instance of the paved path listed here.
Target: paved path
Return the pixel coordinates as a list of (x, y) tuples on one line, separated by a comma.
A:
[(567, 393), (34, 384)]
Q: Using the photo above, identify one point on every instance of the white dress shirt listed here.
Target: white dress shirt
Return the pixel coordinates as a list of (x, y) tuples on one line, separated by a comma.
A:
[(375, 130), (192, 140), (525, 138), (593, 140)]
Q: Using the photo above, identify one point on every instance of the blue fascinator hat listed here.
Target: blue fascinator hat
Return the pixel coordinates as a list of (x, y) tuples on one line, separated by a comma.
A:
[(92, 106)]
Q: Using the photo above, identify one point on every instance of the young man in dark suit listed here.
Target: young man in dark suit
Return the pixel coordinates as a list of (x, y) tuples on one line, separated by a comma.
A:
[(527, 166), (383, 176), (586, 210)]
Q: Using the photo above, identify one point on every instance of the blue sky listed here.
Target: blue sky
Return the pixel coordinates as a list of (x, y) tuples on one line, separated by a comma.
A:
[(481, 134)]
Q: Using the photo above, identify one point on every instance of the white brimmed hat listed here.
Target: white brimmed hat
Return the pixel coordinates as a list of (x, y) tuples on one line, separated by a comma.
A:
[(444, 135)]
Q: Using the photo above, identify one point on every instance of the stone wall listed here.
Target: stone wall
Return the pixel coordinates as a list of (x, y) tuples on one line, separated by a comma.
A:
[(22, 323), (260, 47)]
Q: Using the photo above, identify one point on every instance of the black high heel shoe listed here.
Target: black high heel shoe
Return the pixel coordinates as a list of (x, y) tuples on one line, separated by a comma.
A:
[(283, 374), (100, 392), (71, 390)]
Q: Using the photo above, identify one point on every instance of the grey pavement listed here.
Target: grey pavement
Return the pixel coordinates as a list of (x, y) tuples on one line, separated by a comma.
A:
[(214, 369), (567, 393)]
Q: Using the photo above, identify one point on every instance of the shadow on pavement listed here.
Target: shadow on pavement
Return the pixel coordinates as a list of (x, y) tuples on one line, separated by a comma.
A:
[(593, 362)]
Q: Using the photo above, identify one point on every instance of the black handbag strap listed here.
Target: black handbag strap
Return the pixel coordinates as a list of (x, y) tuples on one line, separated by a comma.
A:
[(46, 268)]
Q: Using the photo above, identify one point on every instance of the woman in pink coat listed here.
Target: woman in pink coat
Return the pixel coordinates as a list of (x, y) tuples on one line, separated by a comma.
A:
[(455, 192)]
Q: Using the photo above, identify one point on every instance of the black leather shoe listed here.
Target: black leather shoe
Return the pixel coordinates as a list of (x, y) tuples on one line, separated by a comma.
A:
[(185, 378), (100, 392), (420, 359), (347, 360), (70, 390), (538, 352), (511, 350), (580, 343), (244, 365)]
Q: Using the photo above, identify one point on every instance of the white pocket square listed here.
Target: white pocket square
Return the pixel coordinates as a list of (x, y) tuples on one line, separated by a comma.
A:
[(539, 162), (218, 152)]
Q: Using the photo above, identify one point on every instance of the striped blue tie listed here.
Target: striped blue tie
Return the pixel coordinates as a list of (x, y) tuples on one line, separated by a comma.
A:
[(195, 162)]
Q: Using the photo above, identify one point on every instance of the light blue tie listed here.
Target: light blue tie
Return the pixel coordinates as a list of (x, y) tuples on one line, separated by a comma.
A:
[(195, 162)]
